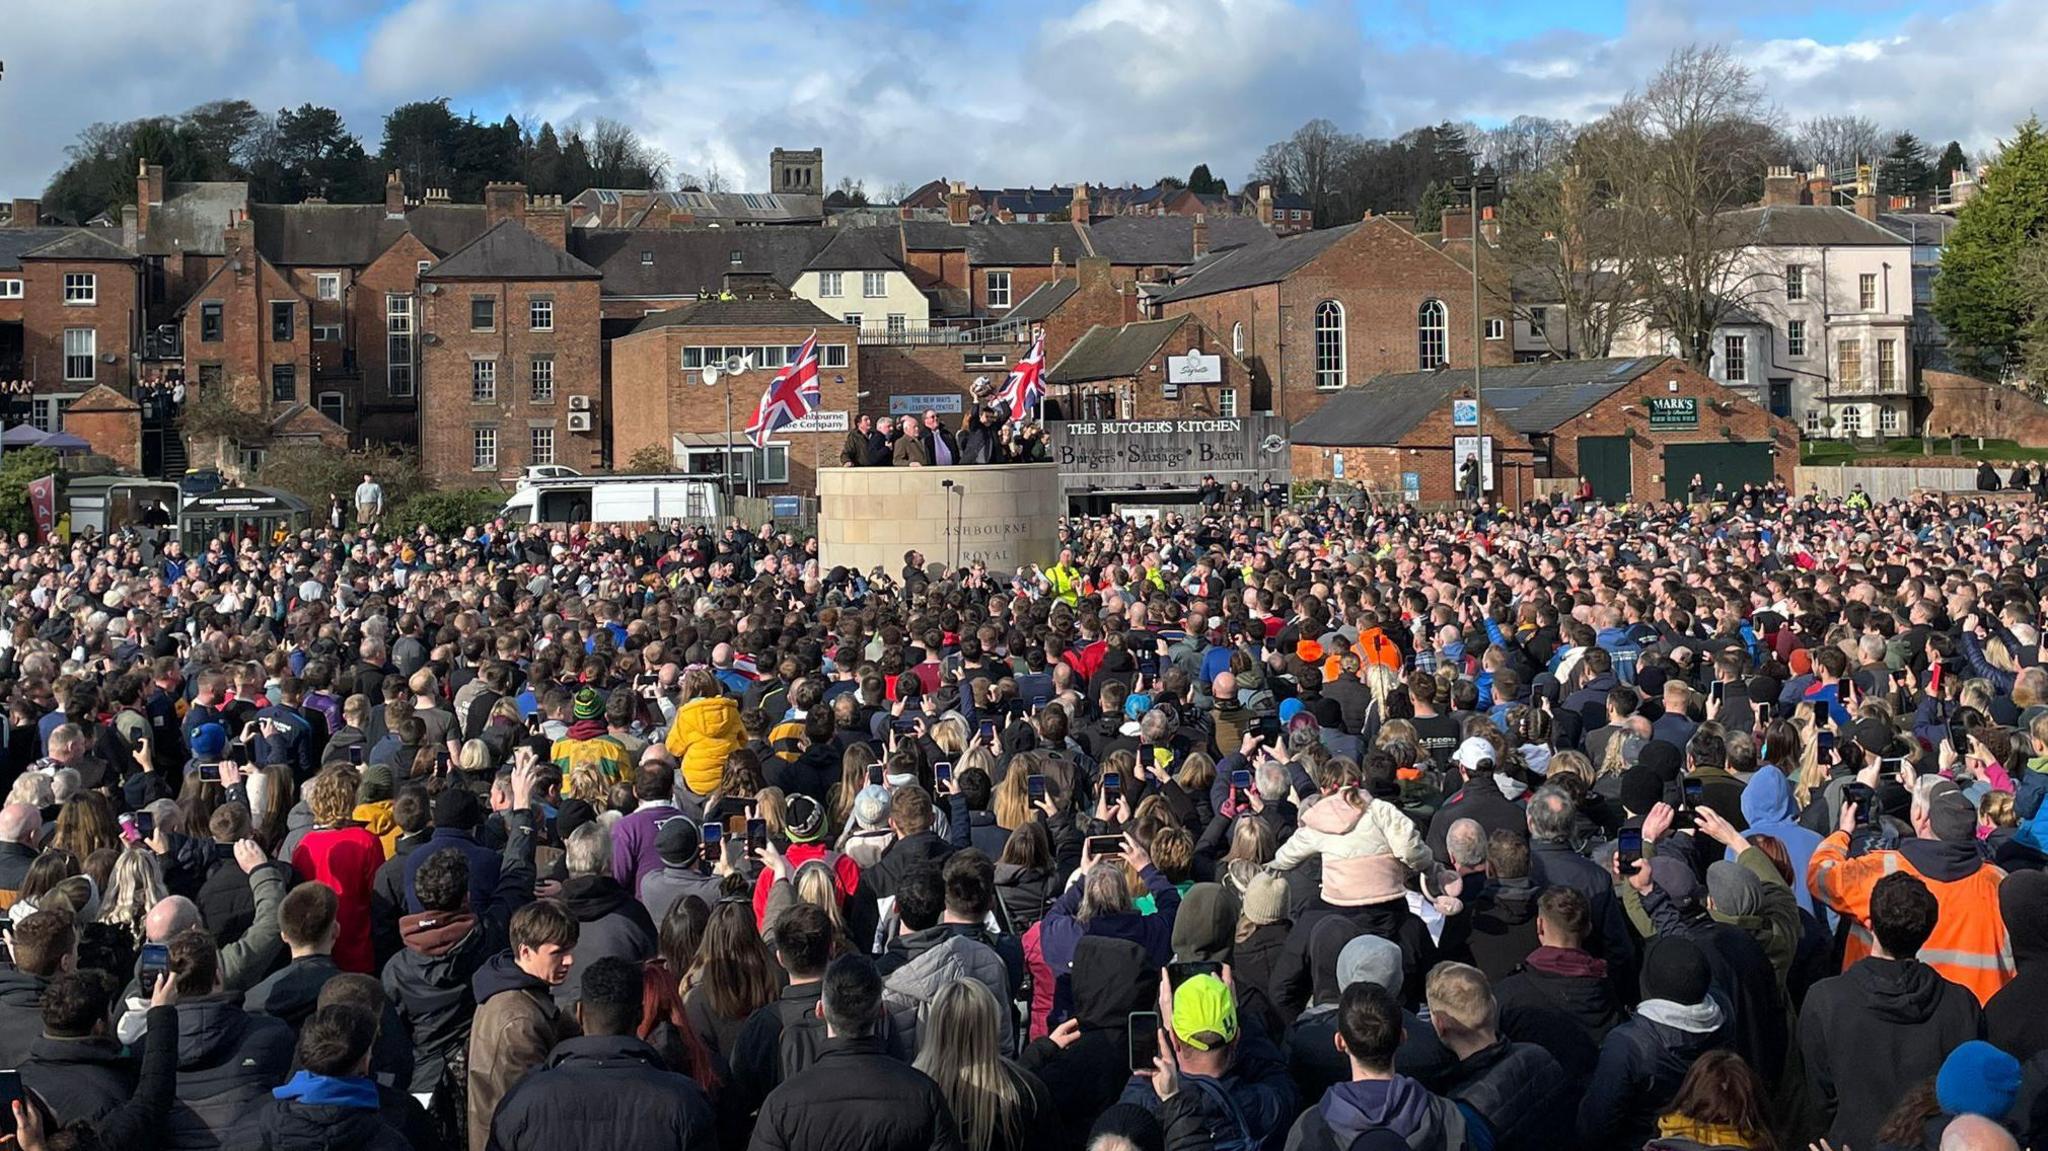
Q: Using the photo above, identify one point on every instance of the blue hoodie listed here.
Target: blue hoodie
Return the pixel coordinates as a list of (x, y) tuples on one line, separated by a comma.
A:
[(1399, 1104), (329, 1091), (1769, 806)]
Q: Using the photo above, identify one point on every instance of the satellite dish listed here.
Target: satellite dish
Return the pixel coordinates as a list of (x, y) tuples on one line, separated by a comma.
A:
[(710, 373)]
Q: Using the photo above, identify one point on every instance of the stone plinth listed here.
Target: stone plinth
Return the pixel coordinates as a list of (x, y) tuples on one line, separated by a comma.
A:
[(1006, 515)]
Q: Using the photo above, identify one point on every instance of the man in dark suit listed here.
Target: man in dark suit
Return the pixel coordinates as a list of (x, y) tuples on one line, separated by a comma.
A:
[(857, 453)]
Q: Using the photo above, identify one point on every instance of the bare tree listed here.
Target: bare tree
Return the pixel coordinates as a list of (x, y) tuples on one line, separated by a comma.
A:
[(1561, 255), (714, 180), (1522, 145), (897, 191), (1681, 159), (1839, 142), (1310, 163)]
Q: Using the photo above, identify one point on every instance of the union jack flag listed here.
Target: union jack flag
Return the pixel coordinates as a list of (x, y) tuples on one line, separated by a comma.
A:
[(790, 396), (1026, 385)]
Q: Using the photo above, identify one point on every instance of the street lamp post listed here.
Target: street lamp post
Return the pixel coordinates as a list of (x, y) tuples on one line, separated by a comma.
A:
[(711, 375), (1481, 180)]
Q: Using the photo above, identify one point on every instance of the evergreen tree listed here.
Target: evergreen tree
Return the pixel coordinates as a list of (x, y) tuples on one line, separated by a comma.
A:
[(546, 169), (1202, 183), (1429, 212), (1905, 169), (1978, 296), (1952, 161)]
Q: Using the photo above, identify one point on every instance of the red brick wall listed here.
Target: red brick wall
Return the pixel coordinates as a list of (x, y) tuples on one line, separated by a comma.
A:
[(1426, 450), (114, 434), (1748, 422), (448, 415), (654, 399), (374, 414), (1381, 274), (1148, 388), (116, 317), (1962, 405), (245, 351), (925, 370)]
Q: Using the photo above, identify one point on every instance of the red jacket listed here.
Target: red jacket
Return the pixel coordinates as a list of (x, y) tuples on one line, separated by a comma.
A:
[(845, 872), (345, 859)]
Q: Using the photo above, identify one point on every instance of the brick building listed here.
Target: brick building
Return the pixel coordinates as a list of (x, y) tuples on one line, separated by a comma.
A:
[(1122, 372), (661, 401), (1315, 313), (1638, 428), (1960, 405), (70, 314), (509, 372)]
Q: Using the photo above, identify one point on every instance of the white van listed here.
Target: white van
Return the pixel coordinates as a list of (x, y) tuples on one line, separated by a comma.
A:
[(614, 500)]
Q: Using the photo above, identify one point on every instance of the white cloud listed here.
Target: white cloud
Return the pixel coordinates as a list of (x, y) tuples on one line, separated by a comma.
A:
[(916, 89)]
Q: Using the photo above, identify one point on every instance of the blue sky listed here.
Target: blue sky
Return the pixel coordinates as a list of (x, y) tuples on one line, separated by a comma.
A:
[(910, 90)]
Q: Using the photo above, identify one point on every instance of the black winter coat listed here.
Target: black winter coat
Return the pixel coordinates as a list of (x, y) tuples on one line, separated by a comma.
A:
[(79, 1078), (610, 922), (1111, 979), (610, 1091), (228, 1060), (1642, 1062), (21, 1014), (1517, 1089), (1874, 1031), (1566, 1014), (856, 1097)]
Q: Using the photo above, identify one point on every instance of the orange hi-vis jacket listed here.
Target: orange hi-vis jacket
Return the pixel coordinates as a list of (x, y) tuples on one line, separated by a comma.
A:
[(1969, 944)]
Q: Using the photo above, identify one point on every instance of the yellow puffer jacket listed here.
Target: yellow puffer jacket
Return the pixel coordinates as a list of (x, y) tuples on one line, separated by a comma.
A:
[(705, 732)]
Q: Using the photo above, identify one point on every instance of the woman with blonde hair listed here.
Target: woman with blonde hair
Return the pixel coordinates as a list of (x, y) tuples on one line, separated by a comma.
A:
[(135, 886), (996, 1103), (1252, 845)]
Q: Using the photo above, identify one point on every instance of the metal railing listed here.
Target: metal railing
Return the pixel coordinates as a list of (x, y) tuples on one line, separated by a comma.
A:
[(1003, 332)]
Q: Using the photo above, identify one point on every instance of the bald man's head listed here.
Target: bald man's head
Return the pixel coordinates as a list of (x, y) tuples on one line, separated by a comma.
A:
[(170, 918), (1225, 686), (19, 823), (1976, 1133)]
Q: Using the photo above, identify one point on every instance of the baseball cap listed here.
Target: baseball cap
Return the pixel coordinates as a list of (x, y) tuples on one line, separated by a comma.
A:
[(1204, 1013)]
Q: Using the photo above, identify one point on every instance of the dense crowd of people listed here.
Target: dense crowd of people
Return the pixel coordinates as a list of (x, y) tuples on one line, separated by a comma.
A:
[(1297, 828)]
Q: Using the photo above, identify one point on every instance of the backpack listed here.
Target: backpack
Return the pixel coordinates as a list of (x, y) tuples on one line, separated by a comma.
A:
[(448, 1107)]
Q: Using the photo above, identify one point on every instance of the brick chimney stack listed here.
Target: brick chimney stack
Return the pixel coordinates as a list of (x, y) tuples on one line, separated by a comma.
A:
[(1079, 211), (1820, 187), (149, 193), (27, 213), (1201, 235), (394, 194), (957, 201), (548, 218), (1457, 224), (504, 200), (1781, 186), (1266, 204)]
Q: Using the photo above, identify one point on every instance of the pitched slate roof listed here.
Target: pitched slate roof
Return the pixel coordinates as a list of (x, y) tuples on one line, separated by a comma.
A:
[(856, 250), (80, 244), (194, 218), (1108, 353), (737, 207), (1809, 225), (1043, 301), (1170, 240), (682, 262), (1532, 397), (510, 252), (1257, 264), (354, 235), (740, 314), (18, 242)]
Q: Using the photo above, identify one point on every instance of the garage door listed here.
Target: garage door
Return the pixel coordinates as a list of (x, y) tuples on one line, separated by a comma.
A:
[(1728, 464), (1604, 461)]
